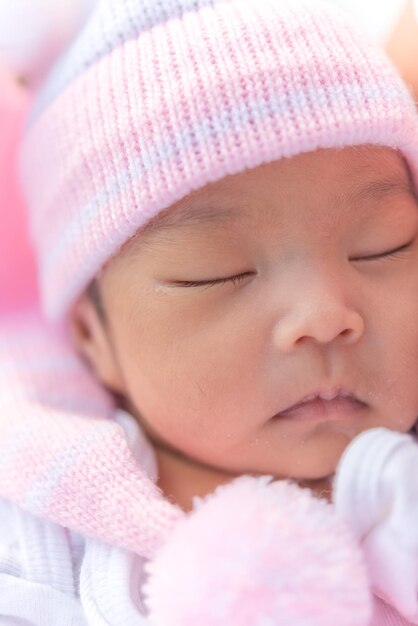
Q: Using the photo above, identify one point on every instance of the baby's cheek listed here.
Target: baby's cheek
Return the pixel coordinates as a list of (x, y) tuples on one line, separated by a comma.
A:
[(400, 385)]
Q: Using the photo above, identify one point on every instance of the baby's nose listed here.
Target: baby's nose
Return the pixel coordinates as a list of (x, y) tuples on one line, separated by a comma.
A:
[(323, 318)]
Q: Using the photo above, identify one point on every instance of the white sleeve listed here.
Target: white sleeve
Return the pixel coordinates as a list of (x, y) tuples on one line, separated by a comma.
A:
[(52, 576), (375, 490), (37, 573)]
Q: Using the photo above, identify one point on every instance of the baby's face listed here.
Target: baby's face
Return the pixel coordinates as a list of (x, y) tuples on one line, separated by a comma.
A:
[(291, 278)]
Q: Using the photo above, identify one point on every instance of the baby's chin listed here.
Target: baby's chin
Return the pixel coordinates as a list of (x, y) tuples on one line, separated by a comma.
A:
[(317, 473), (309, 457)]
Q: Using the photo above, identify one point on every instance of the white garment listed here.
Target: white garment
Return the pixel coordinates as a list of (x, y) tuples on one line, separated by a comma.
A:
[(52, 576), (375, 490)]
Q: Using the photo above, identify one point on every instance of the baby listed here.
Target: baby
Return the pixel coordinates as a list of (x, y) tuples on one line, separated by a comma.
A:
[(254, 327), (223, 199)]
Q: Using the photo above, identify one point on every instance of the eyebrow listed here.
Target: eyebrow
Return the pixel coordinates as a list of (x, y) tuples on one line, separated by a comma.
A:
[(198, 212), (382, 189)]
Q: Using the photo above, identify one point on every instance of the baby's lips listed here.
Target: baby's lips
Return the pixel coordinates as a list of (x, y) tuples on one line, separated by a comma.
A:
[(323, 393)]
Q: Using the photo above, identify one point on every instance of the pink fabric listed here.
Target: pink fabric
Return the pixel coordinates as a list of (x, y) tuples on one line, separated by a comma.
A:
[(65, 459), (227, 86), (17, 266), (62, 457), (385, 615), (189, 101)]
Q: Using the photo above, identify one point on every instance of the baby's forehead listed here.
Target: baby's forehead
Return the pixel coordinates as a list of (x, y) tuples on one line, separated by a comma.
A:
[(357, 174), (349, 185)]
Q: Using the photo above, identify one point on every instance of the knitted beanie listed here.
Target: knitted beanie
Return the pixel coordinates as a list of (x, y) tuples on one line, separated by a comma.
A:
[(156, 98)]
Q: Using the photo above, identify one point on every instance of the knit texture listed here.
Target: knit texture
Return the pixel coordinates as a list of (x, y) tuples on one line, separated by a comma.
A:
[(66, 460), (375, 490), (156, 99), (83, 581), (62, 456)]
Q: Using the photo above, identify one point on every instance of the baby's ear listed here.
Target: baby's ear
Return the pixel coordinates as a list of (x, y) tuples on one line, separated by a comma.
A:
[(91, 339)]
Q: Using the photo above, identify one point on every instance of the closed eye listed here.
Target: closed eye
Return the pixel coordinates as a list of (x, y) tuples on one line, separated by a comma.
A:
[(237, 278), (389, 253)]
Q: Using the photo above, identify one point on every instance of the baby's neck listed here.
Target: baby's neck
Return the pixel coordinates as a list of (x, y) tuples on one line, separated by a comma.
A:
[(181, 479)]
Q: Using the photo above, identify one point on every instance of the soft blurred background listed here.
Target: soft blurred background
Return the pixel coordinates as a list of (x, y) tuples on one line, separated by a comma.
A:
[(34, 32)]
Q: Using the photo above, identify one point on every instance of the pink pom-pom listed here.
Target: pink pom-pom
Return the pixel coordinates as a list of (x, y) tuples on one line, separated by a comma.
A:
[(259, 553)]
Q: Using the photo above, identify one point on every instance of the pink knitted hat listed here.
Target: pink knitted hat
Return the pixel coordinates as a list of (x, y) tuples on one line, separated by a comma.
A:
[(156, 99)]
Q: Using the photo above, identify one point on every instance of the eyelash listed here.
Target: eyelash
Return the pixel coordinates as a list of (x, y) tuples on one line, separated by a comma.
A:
[(387, 255), (217, 281), (240, 277)]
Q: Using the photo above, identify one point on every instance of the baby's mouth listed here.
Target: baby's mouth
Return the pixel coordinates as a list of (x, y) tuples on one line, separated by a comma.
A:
[(336, 403)]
